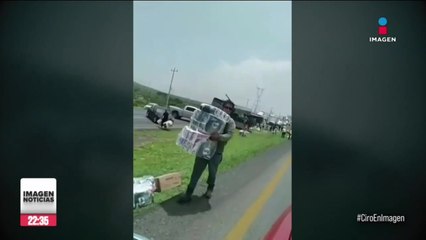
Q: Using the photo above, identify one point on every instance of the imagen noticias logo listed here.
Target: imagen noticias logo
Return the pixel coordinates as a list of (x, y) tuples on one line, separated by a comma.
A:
[(383, 31), (38, 202)]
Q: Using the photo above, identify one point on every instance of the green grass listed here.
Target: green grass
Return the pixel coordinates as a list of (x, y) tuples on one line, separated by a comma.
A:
[(156, 153)]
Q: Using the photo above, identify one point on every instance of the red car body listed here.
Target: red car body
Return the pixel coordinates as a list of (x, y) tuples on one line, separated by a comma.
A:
[(281, 230)]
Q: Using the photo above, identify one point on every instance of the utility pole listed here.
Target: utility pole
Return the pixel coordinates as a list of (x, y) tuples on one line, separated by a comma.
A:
[(170, 88), (259, 95), (247, 102)]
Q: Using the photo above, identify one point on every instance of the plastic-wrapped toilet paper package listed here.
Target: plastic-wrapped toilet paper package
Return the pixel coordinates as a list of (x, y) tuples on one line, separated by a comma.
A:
[(206, 122), (194, 138), (190, 140), (207, 149), (215, 111), (197, 143), (144, 179), (143, 191), (201, 116)]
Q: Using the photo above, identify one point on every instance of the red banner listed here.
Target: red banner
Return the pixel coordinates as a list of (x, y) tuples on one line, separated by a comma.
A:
[(38, 220)]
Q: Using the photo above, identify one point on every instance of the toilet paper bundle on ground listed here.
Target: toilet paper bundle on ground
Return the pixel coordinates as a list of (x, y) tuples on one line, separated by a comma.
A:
[(143, 191)]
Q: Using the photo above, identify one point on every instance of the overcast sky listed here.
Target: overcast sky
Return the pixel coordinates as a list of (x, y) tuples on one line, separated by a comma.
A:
[(218, 48)]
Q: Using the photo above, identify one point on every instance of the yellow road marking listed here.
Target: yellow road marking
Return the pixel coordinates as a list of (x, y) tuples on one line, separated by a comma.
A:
[(241, 228)]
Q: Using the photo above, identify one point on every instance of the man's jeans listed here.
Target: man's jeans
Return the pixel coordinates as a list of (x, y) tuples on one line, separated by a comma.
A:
[(199, 167)]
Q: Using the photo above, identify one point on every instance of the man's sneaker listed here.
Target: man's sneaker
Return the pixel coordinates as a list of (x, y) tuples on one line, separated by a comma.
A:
[(184, 199), (208, 194)]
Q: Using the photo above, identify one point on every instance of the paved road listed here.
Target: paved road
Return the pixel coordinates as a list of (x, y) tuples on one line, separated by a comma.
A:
[(140, 121), (246, 203)]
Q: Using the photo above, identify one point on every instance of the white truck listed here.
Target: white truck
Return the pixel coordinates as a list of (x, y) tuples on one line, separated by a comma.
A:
[(179, 113)]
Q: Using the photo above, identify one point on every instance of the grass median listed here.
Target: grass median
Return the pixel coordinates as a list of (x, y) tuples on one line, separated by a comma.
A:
[(156, 153)]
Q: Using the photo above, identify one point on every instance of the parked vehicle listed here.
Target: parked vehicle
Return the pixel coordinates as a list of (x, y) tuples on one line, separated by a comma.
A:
[(155, 113), (149, 105), (179, 113)]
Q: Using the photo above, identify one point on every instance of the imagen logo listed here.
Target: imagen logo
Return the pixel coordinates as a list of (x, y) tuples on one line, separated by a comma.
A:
[(382, 32), (38, 202), (383, 29)]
